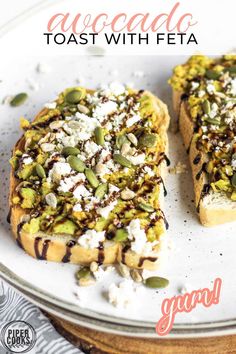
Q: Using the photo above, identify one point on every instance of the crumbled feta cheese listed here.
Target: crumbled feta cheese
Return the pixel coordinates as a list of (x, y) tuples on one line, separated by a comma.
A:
[(194, 85), (210, 88), (118, 120), (131, 121), (104, 212), (102, 110), (123, 294), (85, 127), (68, 183), (117, 88), (201, 93), (149, 171), (137, 236), (77, 207), (50, 105), (27, 159), (101, 272), (233, 87), (81, 192), (91, 148), (91, 239), (91, 202), (233, 162), (113, 188), (59, 169), (137, 160)]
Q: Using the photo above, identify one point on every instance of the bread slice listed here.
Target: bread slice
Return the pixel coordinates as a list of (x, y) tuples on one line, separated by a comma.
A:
[(214, 207), (63, 247)]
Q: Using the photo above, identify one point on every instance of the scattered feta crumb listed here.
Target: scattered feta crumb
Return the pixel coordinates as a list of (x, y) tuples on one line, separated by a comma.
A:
[(27, 159), (137, 160), (81, 192), (91, 239), (122, 295), (59, 169), (68, 183), (101, 272), (104, 212), (131, 121), (43, 68), (138, 73), (77, 207)]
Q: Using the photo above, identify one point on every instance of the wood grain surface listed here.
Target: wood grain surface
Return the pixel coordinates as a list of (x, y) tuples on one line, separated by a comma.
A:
[(94, 342)]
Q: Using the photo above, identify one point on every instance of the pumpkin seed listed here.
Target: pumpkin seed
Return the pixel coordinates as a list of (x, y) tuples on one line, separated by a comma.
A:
[(121, 235), (76, 164), (146, 207), (148, 140), (212, 74), (19, 99), (101, 190), (132, 138), (231, 69), (85, 281), (91, 177), (123, 270), (73, 96), (136, 276), (120, 140), (123, 161), (233, 180), (70, 150), (82, 272), (40, 171), (206, 107), (214, 121), (156, 282), (99, 136)]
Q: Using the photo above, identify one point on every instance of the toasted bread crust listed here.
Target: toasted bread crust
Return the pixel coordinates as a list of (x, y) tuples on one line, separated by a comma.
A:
[(55, 248), (208, 216)]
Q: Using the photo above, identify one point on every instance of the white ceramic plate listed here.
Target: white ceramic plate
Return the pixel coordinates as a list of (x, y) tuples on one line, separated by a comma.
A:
[(199, 254)]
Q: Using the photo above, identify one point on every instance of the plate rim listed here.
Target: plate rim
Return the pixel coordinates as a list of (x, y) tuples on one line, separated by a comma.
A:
[(108, 324)]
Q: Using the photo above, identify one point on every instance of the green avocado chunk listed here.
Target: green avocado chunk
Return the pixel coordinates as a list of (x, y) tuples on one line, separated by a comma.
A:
[(26, 172), (65, 227), (33, 226), (29, 196)]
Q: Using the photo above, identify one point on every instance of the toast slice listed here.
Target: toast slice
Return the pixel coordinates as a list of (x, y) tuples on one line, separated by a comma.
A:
[(87, 178), (204, 98)]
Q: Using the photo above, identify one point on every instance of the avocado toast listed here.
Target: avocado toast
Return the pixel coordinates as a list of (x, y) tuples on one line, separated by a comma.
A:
[(87, 178), (204, 97)]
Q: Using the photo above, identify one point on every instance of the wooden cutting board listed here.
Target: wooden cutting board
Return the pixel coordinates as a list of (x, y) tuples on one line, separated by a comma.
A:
[(94, 342)]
